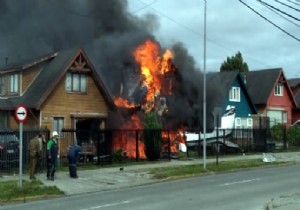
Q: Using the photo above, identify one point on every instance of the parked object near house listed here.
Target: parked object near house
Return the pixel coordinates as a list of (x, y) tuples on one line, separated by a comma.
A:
[(219, 137), (9, 149)]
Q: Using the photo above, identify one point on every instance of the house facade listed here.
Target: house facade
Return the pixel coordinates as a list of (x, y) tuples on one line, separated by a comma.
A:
[(271, 95), (228, 90), (59, 90)]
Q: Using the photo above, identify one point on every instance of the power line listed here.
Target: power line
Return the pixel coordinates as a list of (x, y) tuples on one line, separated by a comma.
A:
[(280, 2), (294, 2), (285, 18), (284, 31), (291, 16), (197, 33)]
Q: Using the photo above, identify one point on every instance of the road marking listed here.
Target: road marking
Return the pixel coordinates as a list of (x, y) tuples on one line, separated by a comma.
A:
[(107, 205), (239, 182)]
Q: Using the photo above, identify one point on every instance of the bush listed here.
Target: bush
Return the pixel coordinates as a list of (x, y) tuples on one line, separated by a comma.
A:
[(277, 132), (118, 155), (152, 136), (293, 135)]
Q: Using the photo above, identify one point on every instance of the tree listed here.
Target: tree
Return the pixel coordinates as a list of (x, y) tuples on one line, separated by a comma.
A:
[(234, 63), (152, 136)]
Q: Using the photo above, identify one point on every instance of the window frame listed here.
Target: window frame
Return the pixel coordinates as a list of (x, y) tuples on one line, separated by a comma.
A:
[(76, 82), (235, 94), (13, 87), (2, 85), (284, 117), (249, 123), (58, 124), (278, 90)]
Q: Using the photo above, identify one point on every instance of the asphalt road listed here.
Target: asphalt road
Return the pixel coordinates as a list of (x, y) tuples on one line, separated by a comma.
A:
[(243, 190)]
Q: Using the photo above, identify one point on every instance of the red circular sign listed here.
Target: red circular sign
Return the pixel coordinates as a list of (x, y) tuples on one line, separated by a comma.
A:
[(21, 113)]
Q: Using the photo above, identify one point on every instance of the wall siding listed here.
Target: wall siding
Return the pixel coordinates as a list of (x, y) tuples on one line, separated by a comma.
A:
[(63, 104)]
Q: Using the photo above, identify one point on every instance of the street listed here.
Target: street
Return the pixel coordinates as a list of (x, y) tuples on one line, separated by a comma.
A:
[(246, 190)]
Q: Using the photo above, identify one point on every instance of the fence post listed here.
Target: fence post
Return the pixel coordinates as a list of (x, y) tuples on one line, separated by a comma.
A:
[(136, 145), (169, 145), (284, 138)]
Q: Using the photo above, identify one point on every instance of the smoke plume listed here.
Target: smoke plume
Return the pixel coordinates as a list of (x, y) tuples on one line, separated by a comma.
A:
[(108, 33)]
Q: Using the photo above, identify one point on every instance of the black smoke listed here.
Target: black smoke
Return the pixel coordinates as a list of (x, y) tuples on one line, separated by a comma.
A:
[(108, 33)]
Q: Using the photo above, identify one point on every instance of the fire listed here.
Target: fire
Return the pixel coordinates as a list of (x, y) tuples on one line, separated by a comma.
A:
[(121, 102), (154, 69)]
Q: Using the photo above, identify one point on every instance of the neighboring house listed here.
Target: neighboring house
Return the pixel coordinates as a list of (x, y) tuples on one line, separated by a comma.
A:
[(271, 95), (295, 86), (228, 89), (60, 90)]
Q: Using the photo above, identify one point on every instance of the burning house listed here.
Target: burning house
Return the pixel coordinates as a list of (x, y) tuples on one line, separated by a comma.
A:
[(135, 70)]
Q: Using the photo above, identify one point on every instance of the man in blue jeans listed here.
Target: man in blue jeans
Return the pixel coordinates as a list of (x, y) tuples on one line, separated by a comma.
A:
[(73, 157)]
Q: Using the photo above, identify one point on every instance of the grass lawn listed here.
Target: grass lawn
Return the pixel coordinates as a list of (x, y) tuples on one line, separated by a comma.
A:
[(11, 192), (197, 169)]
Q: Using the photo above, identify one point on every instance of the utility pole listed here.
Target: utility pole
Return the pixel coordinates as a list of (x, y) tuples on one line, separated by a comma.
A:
[(204, 91)]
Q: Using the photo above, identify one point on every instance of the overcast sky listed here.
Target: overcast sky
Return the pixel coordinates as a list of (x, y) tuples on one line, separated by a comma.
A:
[(231, 27)]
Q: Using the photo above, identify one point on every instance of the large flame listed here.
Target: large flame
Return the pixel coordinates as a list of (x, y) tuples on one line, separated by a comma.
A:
[(153, 68)]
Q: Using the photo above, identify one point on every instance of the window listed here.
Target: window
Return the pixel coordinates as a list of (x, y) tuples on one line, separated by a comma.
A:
[(238, 122), (76, 82), (284, 117), (249, 122), (234, 94), (58, 124), (13, 83), (2, 85), (278, 90)]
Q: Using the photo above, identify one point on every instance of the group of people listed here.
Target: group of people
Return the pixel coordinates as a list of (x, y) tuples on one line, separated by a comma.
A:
[(36, 149)]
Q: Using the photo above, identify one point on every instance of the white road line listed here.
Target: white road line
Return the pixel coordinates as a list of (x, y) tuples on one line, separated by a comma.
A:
[(107, 205), (238, 182)]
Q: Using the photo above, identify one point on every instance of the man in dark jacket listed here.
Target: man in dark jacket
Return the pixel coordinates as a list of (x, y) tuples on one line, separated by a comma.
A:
[(34, 153), (73, 157), (52, 155)]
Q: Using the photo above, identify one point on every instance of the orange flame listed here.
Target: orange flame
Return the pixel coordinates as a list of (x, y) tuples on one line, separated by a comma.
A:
[(121, 102), (153, 67)]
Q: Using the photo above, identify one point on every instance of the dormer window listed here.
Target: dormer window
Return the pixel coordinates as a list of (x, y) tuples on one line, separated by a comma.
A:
[(234, 94), (278, 90), (76, 82), (2, 85), (13, 84)]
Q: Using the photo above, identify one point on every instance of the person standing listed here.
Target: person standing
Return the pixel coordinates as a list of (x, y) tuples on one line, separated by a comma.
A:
[(42, 142), (73, 157), (52, 154), (34, 153)]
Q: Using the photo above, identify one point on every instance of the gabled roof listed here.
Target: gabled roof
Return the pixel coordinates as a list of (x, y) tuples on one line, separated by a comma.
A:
[(294, 82), (221, 82), (48, 78), (218, 86), (260, 84), (295, 86), (25, 65)]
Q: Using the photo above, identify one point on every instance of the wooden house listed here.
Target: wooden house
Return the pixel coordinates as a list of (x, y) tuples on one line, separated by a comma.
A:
[(228, 89), (271, 95), (59, 90)]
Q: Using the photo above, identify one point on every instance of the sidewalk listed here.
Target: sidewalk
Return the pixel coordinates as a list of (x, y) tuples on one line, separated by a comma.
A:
[(134, 175)]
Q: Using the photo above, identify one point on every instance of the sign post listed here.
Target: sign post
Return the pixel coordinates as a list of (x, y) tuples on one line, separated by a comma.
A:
[(21, 116)]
